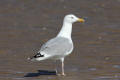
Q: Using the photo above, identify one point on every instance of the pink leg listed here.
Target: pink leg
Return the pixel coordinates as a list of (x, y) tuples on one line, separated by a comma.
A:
[(62, 60)]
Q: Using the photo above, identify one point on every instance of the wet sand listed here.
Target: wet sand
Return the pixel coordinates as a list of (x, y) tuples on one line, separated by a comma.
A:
[(26, 24)]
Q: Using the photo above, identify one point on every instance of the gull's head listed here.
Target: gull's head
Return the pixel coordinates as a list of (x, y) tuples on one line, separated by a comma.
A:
[(72, 18)]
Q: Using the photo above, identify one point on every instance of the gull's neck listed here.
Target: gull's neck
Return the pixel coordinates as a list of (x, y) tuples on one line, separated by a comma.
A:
[(66, 30)]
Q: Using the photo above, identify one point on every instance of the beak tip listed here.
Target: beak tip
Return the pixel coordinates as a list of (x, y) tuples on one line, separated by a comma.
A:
[(81, 20)]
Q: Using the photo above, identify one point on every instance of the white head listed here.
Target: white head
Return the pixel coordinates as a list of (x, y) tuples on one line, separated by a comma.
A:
[(72, 18)]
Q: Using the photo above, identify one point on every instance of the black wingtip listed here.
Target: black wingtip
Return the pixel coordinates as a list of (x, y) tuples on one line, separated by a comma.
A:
[(38, 55)]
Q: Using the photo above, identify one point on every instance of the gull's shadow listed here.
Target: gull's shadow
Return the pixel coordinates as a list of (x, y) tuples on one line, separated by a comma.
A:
[(40, 72)]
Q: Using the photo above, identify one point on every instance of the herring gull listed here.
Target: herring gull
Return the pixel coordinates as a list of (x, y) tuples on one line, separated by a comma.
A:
[(60, 46)]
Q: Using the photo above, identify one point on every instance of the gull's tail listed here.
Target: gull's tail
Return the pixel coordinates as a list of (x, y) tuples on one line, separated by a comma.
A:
[(38, 57)]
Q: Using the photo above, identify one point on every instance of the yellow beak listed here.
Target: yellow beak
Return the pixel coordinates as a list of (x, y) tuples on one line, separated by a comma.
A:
[(81, 20)]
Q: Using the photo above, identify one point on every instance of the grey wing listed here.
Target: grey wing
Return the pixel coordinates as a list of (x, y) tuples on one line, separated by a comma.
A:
[(57, 46)]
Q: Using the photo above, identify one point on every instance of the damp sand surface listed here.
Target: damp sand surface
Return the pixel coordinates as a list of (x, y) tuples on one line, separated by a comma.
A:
[(26, 24)]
